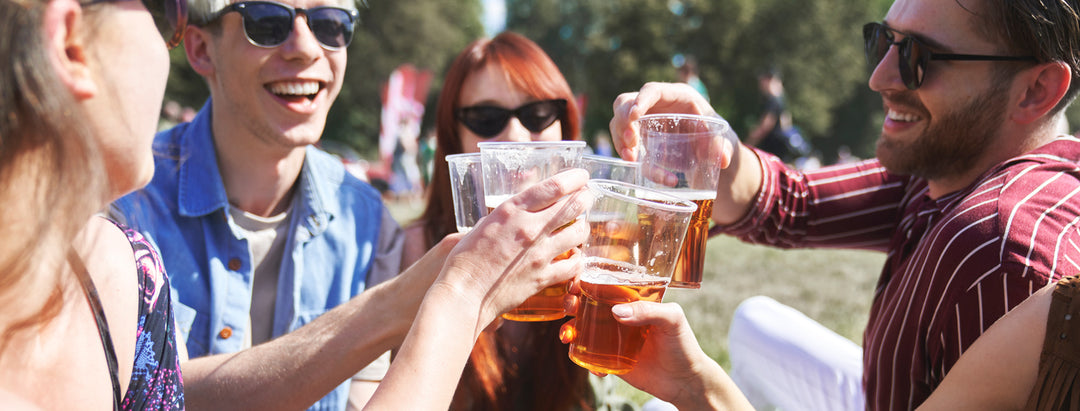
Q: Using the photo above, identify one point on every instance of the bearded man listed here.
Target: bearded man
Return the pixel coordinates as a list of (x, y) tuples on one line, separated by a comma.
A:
[(974, 197)]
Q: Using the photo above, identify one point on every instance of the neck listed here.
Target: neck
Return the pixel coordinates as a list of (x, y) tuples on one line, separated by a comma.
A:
[(999, 152), (258, 179)]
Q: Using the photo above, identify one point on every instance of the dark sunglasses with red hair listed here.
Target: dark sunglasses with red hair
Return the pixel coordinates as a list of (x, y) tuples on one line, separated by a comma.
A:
[(488, 121)]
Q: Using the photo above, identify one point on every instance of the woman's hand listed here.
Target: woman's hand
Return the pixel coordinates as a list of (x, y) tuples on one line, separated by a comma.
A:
[(510, 254)]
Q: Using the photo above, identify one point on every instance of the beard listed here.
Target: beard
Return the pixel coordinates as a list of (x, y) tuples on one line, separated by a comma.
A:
[(954, 142)]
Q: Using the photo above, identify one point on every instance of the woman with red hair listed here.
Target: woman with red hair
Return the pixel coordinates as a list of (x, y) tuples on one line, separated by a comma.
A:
[(503, 89)]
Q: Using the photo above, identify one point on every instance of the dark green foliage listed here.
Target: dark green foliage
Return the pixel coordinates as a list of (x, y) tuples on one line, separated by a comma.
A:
[(610, 46)]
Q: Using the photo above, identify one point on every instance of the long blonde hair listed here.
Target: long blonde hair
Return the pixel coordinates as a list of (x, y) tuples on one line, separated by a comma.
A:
[(52, 179)]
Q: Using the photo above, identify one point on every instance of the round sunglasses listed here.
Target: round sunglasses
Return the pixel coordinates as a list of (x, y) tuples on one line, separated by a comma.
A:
[(170, 17), (915, 55), (268, 24), (488, 121)]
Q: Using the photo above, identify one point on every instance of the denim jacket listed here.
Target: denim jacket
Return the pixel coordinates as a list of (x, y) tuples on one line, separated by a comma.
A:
[(340, 241)]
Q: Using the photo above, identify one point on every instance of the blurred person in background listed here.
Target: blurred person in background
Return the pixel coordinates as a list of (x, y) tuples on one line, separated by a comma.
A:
[(775, 133), (261, 231), (88, 321), (688, 73), (520, 365)]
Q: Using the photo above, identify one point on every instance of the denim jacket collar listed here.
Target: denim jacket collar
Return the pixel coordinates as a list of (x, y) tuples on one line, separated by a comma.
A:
[(202, 191)]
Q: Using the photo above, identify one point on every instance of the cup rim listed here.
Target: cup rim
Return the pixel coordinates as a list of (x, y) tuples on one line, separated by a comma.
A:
[(560, 143), (672, 203), (461, 155), (613, 160), (725, 126)]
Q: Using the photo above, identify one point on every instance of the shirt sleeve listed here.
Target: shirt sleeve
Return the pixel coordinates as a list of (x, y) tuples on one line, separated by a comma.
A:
[(846, 206), (388, 252)]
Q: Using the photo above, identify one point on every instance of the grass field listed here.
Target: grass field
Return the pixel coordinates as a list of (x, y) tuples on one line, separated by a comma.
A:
[(831, 286)]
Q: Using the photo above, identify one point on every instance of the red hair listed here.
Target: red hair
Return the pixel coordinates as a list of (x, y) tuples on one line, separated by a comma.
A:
[(544, 378), (529, 69)]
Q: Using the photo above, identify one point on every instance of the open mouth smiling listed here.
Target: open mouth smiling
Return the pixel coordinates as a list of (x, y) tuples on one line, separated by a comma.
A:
[(296, 90)]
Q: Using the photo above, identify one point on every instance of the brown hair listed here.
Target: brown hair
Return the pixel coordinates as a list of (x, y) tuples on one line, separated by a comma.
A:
[(1047, 29), (543, 378), (52, 178)]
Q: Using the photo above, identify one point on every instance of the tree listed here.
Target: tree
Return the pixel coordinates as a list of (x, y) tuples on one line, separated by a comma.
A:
[(607, 47)]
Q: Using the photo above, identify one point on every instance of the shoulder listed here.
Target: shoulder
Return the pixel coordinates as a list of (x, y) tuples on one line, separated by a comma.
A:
[(110, 261), (1027, 187), (1026, 211), (107, 251)]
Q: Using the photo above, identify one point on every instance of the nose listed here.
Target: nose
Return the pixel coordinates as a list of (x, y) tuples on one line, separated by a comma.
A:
[(886, 75), (516, 132), (301, 43)]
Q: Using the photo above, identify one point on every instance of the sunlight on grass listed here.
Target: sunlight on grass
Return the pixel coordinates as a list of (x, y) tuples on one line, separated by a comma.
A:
[(833, 287)]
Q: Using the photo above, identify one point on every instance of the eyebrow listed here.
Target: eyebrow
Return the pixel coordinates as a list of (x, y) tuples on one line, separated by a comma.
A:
[(921, 38)]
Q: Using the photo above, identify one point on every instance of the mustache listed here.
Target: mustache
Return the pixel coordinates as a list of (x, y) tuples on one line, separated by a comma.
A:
[(903, 98)]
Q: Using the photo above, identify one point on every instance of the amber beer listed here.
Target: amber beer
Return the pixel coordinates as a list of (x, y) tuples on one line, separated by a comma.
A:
[(611, 238), (691, 265), (545, 305), (603, 344)]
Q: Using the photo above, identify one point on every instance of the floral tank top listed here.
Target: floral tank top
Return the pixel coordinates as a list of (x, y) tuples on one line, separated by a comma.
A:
[(156, 383)]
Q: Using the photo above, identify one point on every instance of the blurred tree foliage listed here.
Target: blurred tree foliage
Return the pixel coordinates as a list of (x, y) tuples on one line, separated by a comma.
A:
[(424, 33), (606, 47)]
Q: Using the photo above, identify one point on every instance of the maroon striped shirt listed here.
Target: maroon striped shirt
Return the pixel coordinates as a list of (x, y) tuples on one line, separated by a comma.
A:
[(954, 264)]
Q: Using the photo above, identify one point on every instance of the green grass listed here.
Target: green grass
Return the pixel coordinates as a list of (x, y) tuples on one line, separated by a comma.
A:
[(831, 286)]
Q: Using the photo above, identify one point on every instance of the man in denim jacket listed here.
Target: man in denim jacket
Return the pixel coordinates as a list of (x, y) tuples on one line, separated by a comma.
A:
[(260, 231)]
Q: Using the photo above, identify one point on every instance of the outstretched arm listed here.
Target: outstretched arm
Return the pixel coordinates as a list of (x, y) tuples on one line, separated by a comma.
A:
[(999, 370), (501, 262), (295, 370)]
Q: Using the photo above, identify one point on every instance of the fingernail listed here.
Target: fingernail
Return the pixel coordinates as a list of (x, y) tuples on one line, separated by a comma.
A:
[(622, 311)]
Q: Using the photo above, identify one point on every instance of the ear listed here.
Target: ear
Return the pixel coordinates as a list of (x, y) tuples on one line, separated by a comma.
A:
[(1044, 86), (66, 48), (198, 43)]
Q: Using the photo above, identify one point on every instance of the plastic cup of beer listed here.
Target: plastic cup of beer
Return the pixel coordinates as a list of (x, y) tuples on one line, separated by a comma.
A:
[(611, 168), (512, 167), (467, 188), (680, 155), (633, 247)]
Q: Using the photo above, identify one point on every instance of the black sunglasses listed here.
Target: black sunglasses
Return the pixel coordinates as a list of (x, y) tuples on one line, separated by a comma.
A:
[(489, 121), (914, 54), (170, 17), (268, 24)]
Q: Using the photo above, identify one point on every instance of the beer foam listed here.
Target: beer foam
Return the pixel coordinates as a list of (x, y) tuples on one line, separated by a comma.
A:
[(600, 270), (493, 201), (692, 195)]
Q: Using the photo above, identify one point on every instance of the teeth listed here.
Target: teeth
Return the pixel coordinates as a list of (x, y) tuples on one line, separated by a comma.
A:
[(305, 88), (905, 117)]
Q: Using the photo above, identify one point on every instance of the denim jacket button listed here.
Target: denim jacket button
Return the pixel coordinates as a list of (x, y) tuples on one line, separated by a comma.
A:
[(225, 333), (234, 264)]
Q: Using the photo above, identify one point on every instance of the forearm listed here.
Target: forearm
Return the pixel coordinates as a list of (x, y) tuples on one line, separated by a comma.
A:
[(295, 370), (739, 186), (433, 355), (717, 392)]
